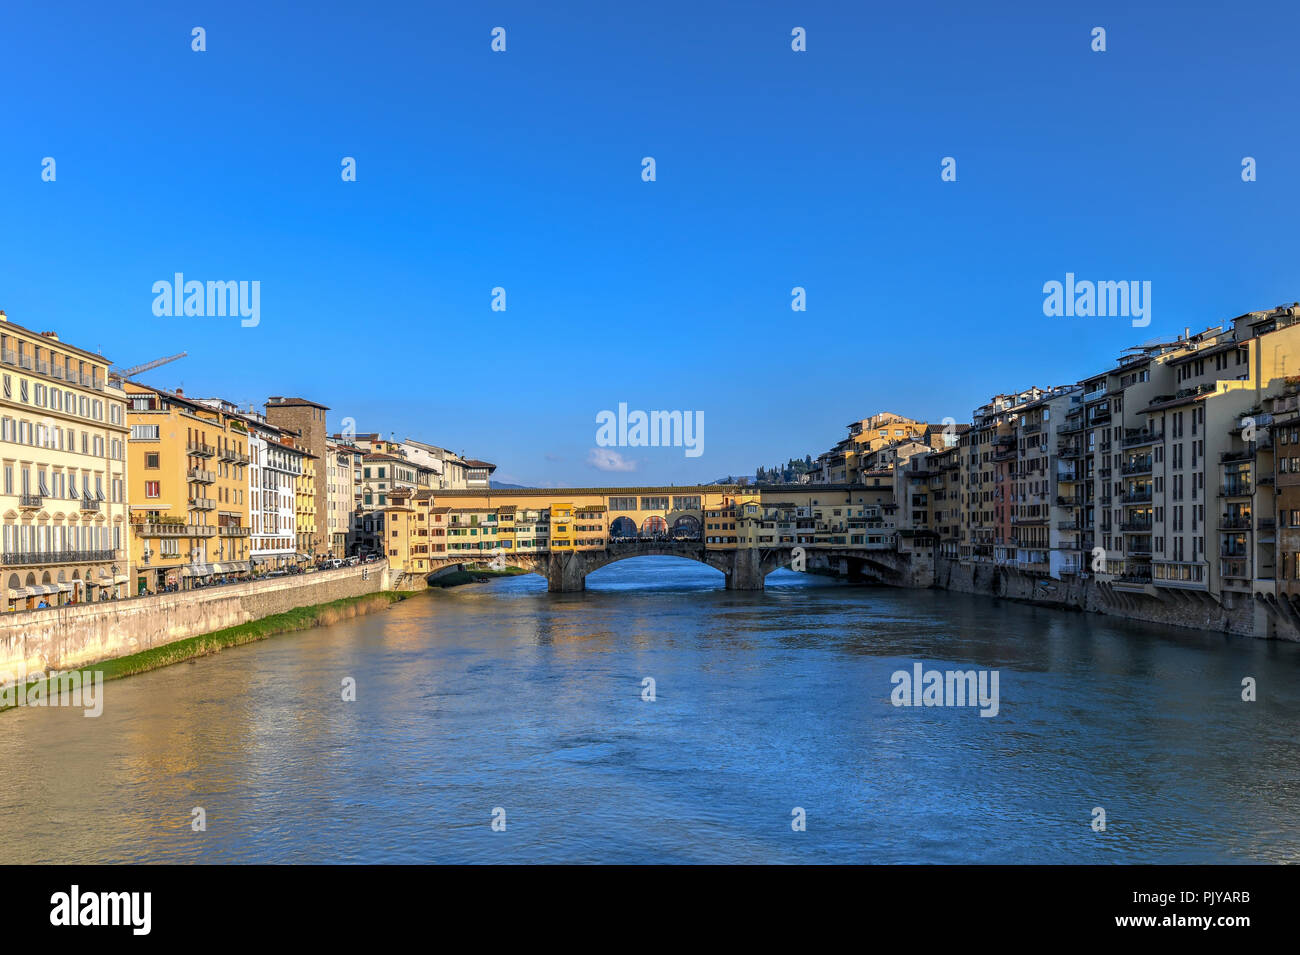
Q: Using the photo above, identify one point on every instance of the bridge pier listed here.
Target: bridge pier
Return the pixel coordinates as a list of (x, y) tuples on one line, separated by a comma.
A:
[(566, 573), (746, 571)]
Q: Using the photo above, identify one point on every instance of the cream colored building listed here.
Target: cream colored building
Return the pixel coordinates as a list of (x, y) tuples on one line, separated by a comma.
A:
[(63, 436), (342, 476)]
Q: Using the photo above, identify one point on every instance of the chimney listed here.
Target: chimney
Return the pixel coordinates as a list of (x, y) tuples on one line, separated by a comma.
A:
[(3, 316), (52, 335), (180, 392)]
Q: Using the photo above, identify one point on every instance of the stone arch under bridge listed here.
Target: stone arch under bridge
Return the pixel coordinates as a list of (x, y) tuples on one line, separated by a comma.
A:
[(745, 568)]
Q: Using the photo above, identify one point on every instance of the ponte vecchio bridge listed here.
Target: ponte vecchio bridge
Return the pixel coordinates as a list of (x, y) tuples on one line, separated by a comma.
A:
[(744, 532)]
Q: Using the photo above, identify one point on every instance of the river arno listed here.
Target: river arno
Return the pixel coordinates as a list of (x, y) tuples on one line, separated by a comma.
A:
[(500, 695)]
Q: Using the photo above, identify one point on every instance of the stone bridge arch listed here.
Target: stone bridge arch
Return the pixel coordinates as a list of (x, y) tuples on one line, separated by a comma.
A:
[(745, 568)]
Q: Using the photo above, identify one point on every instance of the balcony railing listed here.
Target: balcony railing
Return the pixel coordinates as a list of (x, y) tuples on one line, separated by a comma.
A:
[(1139, 438), (57, 556), (154, 529), (231, 530), (202, 503), (1233, 569), (200, 449), (30, 501), (202, 476), (1136, 497), (90, 505), (1136, 467), (1135, 527), (1235, 489), (1137, 575), (1235, 522)]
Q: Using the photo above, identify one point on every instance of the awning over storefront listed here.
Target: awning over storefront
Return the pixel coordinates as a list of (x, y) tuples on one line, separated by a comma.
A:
[(196, 570), (120, 579)]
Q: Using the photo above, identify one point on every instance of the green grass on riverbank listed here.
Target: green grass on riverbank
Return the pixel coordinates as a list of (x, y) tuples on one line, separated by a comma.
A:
[(300, 618), (476, 574)]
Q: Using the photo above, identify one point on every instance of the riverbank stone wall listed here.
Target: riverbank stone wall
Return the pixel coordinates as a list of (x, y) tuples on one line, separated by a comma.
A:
[(63, 638)]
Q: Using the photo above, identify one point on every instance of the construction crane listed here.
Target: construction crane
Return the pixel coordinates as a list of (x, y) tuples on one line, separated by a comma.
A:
[(125, 373)]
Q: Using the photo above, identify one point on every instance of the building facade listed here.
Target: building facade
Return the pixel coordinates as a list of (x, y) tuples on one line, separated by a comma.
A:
[(188, 491), (63, 437), (306, 419)]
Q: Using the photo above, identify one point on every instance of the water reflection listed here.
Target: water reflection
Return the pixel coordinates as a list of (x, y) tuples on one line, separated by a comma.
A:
[(503, 695)]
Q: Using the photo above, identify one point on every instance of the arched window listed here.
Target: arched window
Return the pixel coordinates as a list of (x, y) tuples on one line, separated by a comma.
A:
[(654, 526), (686, 527)]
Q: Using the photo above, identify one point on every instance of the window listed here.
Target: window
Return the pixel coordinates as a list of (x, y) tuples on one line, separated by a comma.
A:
[(151, 489)]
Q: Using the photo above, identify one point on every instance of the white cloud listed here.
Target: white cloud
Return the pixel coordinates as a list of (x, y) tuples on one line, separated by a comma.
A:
[(607, 459)]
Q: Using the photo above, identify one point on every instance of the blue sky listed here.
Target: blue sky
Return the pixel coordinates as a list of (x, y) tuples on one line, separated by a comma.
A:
[(522, 170)]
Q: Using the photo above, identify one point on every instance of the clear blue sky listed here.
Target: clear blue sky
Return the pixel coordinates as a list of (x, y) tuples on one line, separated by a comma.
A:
[(522, 170)]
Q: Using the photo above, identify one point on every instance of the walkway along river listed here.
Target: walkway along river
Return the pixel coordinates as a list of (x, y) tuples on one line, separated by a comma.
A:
[(502, 697)]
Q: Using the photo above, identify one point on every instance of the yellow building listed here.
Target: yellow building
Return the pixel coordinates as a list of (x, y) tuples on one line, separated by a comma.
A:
[(407, 533), (562, 527), (506, 529), (472, 532), (304, 504), (63, 439), (188, 491), (720, 525), (590, 528)]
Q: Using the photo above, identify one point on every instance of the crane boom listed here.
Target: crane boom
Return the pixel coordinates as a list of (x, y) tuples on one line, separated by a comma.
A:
[(147, 366)]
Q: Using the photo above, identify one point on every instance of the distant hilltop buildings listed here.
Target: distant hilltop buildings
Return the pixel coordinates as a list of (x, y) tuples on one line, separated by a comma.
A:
[(114, 488)]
